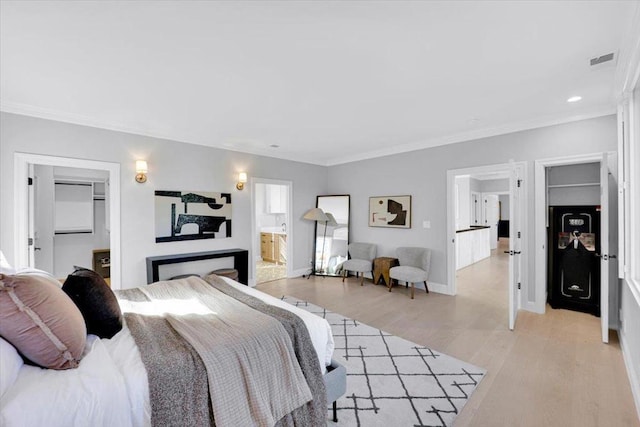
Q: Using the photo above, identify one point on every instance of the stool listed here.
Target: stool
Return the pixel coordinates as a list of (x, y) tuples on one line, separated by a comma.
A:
[(231, 273), (335, 382)]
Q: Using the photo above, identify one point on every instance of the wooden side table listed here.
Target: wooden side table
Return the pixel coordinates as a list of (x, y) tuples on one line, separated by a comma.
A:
[(381, 268)]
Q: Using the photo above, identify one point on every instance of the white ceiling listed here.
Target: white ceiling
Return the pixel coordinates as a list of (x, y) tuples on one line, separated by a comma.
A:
[(327, 81)]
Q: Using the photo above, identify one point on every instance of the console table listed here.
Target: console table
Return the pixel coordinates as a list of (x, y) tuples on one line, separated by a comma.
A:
[(240, 262), (381, 268)]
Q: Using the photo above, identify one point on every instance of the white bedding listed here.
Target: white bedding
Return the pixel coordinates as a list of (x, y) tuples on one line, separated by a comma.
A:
[(109, 388)]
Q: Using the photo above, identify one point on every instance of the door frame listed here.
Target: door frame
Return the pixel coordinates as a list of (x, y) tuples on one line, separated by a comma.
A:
[(255, 233), (541, 223), (451, 227), (21, 205)]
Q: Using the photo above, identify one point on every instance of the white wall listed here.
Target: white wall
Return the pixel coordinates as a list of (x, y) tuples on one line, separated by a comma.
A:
[(423, 174), (172, 166)]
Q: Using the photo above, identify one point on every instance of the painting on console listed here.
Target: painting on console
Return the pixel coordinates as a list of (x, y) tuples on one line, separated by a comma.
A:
[(191, 215), (390, 211)]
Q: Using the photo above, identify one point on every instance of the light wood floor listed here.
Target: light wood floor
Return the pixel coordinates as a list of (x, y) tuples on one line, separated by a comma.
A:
[(552, 370)]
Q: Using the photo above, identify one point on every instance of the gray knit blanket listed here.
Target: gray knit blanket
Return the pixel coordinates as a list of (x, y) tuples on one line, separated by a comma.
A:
[(212, 359)]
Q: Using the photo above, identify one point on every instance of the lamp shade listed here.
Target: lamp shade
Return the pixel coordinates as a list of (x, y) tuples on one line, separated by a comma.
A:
[(141, 166), (242, 177), (331, 222), (316, 214)]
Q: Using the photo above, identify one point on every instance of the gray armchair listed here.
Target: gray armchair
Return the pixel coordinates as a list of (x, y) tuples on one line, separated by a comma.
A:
[(414, 267), (362, 255)]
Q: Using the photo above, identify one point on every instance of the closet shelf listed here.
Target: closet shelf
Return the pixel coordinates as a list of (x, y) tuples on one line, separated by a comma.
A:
[(584, 184)]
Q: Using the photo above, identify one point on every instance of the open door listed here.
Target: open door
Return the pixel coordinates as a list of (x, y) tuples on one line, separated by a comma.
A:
[(604, 247), (516, 209), (492, 216), (31, 216)]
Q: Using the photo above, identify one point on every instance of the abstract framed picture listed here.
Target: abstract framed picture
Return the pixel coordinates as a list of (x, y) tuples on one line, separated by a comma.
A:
[(192, 215), (390, 211)]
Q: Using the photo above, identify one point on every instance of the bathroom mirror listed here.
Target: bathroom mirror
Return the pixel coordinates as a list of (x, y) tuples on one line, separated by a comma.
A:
[(332, 238)]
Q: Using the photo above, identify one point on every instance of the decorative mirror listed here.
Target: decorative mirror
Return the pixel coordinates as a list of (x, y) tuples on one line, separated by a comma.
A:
[(332, 237)]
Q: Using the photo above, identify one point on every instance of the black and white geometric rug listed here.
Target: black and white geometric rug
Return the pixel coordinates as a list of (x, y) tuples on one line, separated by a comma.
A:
[(392, 381)]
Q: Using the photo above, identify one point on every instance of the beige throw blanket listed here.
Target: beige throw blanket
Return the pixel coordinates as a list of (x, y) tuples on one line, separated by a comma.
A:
[(254, 378)]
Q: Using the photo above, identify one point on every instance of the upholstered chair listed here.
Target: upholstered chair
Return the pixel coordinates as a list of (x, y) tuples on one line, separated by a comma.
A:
[(414, 267), (362, 255)]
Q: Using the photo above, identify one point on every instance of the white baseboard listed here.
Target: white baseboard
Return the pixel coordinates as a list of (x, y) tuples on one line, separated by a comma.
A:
[(533, 307), (438, 288), (634, 375), (300, 272)]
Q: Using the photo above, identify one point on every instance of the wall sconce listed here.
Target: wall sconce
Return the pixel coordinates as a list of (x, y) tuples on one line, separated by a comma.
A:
[(242, 179), (141, 170)]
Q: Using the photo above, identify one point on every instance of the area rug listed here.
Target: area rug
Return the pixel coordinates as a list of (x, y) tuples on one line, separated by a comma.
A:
[(392, 381)]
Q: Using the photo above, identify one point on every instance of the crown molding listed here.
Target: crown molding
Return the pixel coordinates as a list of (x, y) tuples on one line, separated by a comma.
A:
[(628, 69), (48, 114), (473, 135), (82, 120)]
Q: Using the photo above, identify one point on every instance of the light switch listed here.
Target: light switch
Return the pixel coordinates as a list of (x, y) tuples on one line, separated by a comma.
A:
[(426, 224)]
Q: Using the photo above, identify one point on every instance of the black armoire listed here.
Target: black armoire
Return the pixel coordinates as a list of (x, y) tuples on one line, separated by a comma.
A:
[(573, 265)]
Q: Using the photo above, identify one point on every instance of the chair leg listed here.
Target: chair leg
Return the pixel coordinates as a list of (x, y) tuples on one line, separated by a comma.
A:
[(344, 274), (335, 411), (426, 286), (412, 289), (362, 279)]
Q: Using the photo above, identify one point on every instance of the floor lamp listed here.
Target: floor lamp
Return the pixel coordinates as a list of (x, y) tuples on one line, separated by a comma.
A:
[(317, 215)]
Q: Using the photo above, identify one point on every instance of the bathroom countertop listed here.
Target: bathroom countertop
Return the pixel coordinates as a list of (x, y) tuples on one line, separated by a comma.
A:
[(274, 230)]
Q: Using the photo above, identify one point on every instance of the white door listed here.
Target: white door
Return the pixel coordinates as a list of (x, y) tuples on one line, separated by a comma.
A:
[(516, 209), (31, 218), (43, 217), (604, 247), (492, 216)]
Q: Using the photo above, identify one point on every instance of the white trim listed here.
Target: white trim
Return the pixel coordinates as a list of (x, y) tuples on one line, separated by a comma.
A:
[(450, 288), (21, 231), (628, 69), (633, 374), (254, 232), (470, 136), (49, 114), (540, 217)]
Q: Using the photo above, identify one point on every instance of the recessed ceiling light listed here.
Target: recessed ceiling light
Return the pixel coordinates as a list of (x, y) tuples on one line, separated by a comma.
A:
[(274, 146), (574, 99)]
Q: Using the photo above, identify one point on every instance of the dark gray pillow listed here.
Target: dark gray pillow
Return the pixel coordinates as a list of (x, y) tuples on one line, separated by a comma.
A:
[(96, 301)]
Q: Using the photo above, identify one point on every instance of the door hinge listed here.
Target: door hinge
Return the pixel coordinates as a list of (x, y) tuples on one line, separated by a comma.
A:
[(519, 285), (519, 235), (519, 182), (29, 181), (30, 241)]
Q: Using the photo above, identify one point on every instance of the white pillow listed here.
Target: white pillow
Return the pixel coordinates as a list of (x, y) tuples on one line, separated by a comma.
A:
[(5, 267), (10, 364)]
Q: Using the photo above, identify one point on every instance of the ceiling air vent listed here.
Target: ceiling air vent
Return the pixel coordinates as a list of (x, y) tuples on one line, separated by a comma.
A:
[(603, 61)]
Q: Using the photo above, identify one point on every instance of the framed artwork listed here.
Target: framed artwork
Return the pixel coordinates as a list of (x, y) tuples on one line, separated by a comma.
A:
[(390, 211), (191, 215)]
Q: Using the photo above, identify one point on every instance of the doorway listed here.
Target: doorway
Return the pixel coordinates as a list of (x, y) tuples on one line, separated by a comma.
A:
[(271, 201), (25, 213), (604, 187), (474, 222)]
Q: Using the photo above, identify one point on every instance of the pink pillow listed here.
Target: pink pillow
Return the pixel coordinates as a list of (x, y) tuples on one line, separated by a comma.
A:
[(41, 321)]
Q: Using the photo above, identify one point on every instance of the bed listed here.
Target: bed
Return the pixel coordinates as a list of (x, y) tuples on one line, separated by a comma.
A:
[(111, 385)]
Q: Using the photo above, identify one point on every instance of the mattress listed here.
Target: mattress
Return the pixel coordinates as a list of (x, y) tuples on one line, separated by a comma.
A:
[(109, 387)]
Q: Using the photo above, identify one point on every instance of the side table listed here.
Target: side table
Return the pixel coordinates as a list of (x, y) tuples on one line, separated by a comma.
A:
[(381, 268)]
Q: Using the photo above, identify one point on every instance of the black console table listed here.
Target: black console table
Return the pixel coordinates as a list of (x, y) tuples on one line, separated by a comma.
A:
[(240, 262)]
